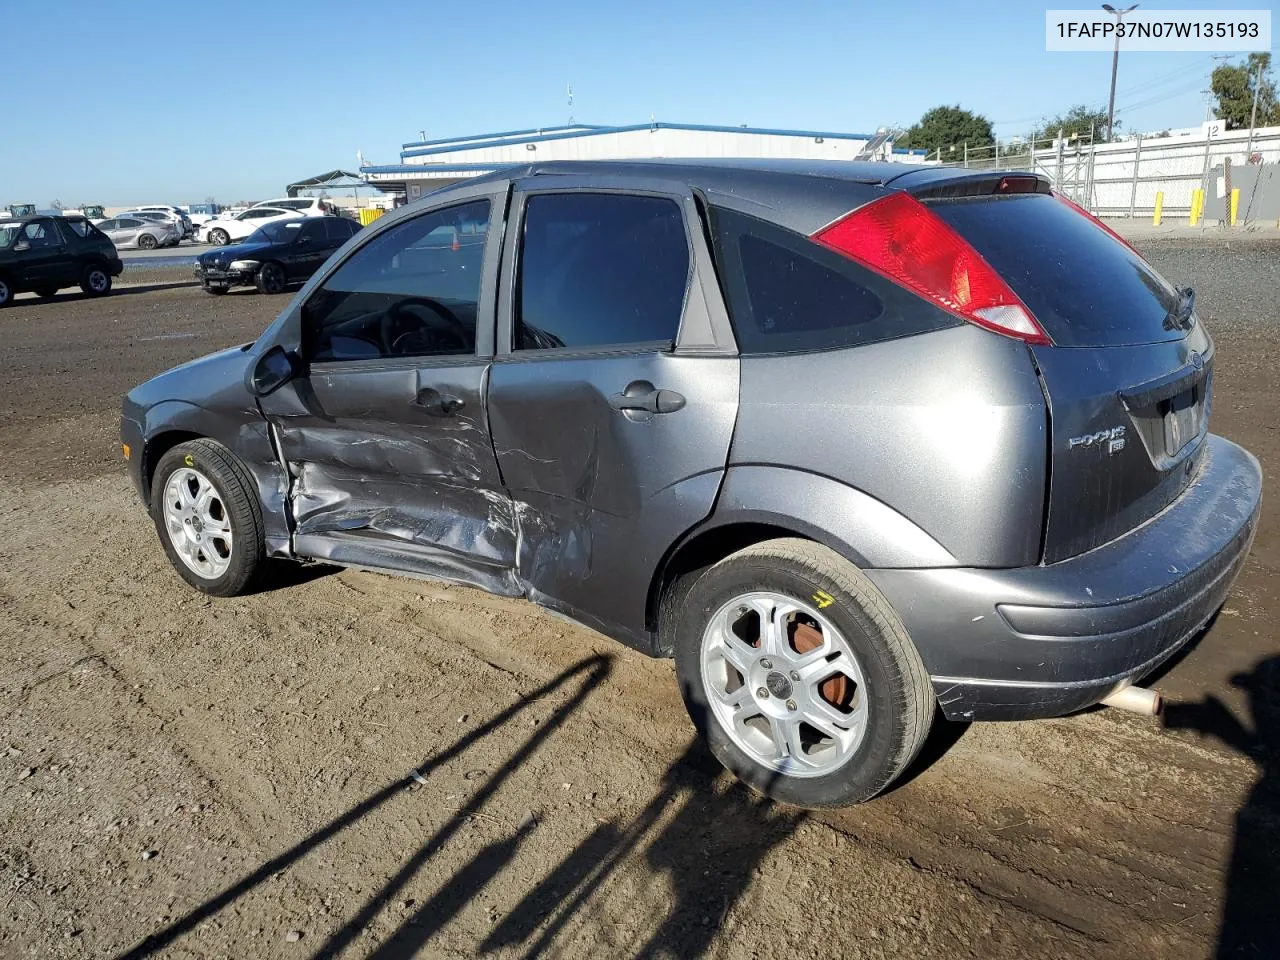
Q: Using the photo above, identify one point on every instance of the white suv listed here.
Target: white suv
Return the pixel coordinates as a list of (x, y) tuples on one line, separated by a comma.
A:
[(307, 206)]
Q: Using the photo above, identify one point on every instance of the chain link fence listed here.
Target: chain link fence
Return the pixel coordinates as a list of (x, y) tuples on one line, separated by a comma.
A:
[(1123, 179)]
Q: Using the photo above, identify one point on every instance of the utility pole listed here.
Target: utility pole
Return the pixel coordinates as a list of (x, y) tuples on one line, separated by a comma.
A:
[(1115, 63), (1253, 115)]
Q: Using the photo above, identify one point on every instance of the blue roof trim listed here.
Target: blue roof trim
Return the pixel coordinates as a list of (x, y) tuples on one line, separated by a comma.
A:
[(497, 136), (499, 140), (912, 153), (422, 168)]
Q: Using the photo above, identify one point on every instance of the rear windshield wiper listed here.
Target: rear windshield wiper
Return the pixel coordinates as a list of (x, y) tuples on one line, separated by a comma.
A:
[(1182, 316)]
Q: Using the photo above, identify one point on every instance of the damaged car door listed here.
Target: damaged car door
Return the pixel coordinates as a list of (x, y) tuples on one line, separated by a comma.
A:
[(614, 390), (384, 432)]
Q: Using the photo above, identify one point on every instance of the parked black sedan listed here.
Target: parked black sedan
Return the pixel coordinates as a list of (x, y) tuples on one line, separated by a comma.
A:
[(275, 255)]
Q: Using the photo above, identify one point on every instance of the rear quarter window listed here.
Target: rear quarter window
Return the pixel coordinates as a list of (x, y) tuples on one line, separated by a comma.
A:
[(787, 294)]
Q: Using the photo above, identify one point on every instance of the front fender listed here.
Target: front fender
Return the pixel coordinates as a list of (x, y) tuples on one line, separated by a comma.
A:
[(861, 528), (245, 432)]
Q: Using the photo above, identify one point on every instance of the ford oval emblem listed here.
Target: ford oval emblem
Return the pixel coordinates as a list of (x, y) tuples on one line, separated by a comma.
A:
[(1197, 361)]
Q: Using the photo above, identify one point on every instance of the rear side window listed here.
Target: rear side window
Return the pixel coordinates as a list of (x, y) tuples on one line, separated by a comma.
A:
[(337, 229), (600, 270), (41, 233), (1086, 288), (787, 294), (80, 228)]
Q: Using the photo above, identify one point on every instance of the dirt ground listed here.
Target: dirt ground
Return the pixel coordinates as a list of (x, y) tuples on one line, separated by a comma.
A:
[(358, 765)]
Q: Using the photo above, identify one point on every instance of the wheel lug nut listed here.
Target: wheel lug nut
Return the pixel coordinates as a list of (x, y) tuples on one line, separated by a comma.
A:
[(795, 676), (791, 704), (767, 664), (762, 693)]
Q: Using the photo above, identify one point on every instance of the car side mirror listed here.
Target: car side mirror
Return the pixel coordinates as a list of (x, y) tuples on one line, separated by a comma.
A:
[(273, 370), (20, 246)]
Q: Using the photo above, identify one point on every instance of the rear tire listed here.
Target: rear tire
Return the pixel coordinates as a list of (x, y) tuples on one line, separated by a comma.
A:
[(219, 237), (857, 675), (221, 566), (95, 281), (44, 293), (147, 242), (6, 292), (270, 278)]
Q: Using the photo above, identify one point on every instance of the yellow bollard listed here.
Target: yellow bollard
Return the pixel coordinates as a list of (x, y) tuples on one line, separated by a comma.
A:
[(1155, 219), (1197, 206), (370, 214), (1235, 204)]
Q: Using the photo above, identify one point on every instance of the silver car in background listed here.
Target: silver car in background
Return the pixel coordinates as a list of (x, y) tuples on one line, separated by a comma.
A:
[(164, 217), (136, 231), (183, 218)]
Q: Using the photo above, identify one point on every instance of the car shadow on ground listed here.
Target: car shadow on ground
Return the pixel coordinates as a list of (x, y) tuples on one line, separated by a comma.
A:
[(590, 674), (1250, 925), (708, 842), (22, 301), (286, 574)]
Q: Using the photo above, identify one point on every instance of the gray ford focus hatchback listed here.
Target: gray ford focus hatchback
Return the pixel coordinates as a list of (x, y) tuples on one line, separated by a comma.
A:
[(854, 443)]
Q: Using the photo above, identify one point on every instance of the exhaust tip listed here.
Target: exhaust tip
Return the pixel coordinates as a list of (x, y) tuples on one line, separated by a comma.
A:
[(1136, 700)]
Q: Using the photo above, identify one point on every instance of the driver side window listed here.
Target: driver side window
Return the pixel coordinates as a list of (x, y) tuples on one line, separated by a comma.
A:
[(413, 291)]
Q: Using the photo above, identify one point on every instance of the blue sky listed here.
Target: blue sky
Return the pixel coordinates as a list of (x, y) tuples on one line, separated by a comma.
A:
[(168, 102)]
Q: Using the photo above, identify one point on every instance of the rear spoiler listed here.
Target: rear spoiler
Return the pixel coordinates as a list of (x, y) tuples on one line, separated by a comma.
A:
[(950, 184)]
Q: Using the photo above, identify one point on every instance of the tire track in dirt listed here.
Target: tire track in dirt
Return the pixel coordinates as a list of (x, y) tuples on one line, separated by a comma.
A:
[(1044, 877)]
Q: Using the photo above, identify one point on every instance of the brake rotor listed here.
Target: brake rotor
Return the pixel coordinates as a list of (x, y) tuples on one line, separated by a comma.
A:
[(837, 690)]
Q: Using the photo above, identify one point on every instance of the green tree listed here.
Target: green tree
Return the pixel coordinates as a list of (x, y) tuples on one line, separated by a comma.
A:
[(1233, 85), (946, 127), (1079, 121)]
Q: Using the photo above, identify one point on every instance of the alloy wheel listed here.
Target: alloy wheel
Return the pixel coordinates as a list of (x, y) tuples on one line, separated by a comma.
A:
[(197, 522), (784, 684)]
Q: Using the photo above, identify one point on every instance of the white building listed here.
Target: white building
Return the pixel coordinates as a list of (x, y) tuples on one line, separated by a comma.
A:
[(430, 164)]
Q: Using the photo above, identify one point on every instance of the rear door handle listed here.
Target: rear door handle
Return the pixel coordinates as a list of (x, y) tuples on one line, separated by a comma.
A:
[(437, 403), (642, 397)]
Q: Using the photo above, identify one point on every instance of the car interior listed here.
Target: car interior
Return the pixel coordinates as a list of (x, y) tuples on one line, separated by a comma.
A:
[(411, 292)]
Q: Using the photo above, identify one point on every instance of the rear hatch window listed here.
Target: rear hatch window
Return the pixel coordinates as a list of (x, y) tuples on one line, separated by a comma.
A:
[(1086, 288)]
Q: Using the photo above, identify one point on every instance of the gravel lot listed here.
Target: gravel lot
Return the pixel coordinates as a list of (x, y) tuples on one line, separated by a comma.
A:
[(368, 766)]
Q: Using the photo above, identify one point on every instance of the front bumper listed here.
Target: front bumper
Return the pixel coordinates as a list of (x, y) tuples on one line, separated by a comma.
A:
[(132, 445), (1048, 640), (225, 276)]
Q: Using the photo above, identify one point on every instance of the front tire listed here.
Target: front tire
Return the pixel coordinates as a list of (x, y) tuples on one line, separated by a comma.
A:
[(6, 292), (208, 516), (800, 676), (95, 281), (219, 237), (147, 242), (270, 278)]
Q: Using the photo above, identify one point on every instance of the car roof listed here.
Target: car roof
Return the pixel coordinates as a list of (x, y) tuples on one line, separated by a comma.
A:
[(799, 195), (802, 195)]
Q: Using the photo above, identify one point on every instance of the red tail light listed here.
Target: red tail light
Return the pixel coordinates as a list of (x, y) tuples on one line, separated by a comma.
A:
[(898, 237)]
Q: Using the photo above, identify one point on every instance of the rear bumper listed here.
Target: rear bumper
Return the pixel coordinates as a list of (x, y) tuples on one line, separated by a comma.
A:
[(1048, 640)]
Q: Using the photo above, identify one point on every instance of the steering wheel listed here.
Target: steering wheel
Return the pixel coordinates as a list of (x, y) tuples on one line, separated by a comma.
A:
[(436, 324)]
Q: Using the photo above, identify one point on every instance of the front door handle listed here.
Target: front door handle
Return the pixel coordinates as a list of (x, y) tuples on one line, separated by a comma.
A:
[(642, 397), (437, 403)]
